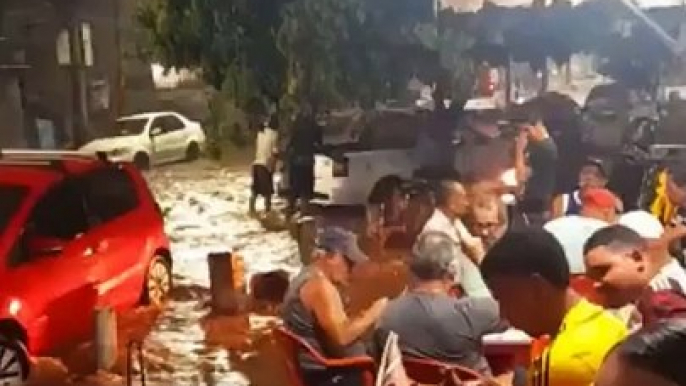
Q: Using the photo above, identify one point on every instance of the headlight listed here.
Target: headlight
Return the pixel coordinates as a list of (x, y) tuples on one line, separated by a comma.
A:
[(119, 151)]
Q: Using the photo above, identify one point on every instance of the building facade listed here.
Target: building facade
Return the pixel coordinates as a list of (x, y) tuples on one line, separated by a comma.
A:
[(63, 67)]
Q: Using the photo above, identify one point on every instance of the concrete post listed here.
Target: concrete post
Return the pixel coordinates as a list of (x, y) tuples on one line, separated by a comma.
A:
[(106, 349), (307, 238), (227, 282)]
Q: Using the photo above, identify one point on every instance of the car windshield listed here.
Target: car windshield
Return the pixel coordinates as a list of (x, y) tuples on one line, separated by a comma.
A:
[(126, 127), (11, 197)]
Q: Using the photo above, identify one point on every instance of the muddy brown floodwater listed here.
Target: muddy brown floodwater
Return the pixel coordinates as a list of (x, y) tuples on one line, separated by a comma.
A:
[(251, 352), (183, 343)]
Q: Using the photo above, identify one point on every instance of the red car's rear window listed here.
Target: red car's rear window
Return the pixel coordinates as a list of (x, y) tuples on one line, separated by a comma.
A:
[(11, 197)]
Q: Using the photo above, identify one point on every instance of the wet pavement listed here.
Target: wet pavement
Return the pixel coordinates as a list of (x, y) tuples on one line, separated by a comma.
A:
[(205, 211)]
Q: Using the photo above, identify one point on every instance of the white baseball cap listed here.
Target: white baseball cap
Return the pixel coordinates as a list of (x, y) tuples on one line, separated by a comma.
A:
[(643, 223)]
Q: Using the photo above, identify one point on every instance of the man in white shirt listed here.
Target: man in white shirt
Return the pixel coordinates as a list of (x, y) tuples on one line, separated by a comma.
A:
[(266, 147), (671, 275), (452, 203), (598, 210)]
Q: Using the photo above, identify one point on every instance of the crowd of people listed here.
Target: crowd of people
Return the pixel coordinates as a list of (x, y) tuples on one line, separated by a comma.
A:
[(501, 251)]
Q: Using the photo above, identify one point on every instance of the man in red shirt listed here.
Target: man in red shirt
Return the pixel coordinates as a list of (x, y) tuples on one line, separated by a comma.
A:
[(619, 261)]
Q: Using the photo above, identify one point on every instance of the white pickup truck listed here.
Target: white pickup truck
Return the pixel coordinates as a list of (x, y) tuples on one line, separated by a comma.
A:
[(373, 148)]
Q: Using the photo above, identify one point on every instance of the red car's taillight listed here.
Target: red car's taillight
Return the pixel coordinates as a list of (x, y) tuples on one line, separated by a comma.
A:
[(340, 168)]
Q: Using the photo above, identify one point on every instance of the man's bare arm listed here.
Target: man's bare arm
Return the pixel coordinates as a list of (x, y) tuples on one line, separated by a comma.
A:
[(322, 298)]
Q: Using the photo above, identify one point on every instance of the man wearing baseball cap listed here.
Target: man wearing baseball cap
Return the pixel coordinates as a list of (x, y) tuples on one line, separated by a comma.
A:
[(598, 210), (313, 308)]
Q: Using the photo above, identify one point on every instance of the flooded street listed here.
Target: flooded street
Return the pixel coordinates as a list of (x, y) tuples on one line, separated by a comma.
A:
[(205, 210), (183, 344)]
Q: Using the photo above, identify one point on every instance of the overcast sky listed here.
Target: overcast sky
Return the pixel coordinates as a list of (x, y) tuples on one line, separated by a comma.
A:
[(474, 4)]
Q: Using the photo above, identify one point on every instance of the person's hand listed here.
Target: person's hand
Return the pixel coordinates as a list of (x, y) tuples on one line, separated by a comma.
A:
[(522, 141), (377, 308), (474, 248), (538, 132)]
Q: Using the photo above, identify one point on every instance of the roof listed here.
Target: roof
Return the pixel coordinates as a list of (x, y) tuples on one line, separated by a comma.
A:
[(39, 173), (32, 177), (148, 115)]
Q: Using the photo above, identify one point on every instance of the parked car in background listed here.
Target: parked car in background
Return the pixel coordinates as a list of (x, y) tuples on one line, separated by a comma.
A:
[(77, 232), (151, 138)]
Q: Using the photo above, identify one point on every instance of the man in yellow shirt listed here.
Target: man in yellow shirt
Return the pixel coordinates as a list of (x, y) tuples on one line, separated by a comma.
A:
[(529, 275)]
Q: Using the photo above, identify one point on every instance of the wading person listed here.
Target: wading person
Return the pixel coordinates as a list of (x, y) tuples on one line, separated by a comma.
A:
[(266, 149), (313, 309), (304, 143)]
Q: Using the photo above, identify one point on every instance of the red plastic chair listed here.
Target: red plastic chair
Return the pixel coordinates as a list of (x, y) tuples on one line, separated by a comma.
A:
[(292, 344), (431, 372), (586, 288)]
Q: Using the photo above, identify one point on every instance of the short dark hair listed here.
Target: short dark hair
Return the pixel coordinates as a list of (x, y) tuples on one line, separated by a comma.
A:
[(530, 251), (655, 348), (616, 237)]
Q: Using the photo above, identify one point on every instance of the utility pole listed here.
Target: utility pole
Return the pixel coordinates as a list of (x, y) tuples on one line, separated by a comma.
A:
[(119, 73), (74, 62), (79, 81)]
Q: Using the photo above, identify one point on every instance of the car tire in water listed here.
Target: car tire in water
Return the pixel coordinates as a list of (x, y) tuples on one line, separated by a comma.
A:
[(158, 282), (15, 365), (192, 151), (142, 161)]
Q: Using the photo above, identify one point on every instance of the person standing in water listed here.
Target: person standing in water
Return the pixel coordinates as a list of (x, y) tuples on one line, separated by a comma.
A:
[(266, 150)]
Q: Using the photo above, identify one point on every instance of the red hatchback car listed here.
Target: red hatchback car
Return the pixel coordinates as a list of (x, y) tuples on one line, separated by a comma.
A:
[(77, 232)]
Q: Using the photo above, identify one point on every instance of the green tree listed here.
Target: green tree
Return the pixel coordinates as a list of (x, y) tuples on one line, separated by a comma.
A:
[(232, 43)]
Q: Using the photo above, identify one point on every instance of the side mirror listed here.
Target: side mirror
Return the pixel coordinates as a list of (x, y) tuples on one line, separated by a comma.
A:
[(155, 131), (44, 246)]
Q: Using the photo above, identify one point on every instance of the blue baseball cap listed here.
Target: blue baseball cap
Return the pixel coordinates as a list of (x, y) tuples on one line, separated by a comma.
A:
[(339, 240)]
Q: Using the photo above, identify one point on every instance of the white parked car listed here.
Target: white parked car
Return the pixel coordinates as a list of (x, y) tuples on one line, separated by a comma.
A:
[(151, 138)]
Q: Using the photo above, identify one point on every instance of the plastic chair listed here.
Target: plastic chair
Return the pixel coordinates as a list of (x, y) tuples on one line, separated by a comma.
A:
[(431, 372), (292, 344)]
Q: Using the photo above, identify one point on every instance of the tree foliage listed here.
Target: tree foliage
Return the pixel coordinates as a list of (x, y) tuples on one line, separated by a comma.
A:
[(331, 52)]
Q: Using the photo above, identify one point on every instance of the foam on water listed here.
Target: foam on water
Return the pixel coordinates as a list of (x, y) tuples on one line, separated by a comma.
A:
[(206, 211)]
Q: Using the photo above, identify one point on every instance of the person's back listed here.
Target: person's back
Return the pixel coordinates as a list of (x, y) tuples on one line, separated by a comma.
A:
[(306, 138), (572, 358), (442, 327)]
